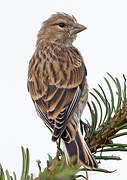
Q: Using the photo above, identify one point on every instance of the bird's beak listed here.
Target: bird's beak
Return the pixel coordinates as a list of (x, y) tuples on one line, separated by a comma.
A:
[(77, 28)]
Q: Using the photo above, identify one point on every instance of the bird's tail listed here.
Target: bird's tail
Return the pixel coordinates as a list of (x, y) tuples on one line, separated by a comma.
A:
[(79, 149)]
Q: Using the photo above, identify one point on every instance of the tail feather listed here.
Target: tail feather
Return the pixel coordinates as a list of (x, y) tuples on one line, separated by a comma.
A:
[(80, 150)]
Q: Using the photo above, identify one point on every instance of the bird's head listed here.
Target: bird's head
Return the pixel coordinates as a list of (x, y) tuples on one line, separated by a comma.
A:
[(60, 28)]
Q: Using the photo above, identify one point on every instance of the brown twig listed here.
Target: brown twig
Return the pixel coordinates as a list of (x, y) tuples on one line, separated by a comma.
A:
[(104, 133)]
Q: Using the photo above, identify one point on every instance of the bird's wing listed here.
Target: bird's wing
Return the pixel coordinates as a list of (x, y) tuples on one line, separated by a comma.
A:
[(54, 82)]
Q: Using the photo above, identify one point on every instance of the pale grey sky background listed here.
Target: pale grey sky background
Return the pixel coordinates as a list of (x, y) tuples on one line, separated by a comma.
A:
[(103, 46)]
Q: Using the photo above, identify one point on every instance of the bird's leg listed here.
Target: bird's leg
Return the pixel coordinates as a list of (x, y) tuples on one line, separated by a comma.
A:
[(58, 149), (86, 127), (86, 175)]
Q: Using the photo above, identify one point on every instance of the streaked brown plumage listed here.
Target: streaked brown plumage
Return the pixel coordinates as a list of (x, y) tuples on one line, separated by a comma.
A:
[(57, 84)]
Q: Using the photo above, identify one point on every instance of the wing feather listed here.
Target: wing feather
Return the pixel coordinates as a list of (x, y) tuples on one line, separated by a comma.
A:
[(55, 77)]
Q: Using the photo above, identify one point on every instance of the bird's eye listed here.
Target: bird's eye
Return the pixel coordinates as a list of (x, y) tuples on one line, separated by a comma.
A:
[(62, 25)]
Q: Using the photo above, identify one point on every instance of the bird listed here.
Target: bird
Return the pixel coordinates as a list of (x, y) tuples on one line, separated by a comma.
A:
[(58, 87)]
